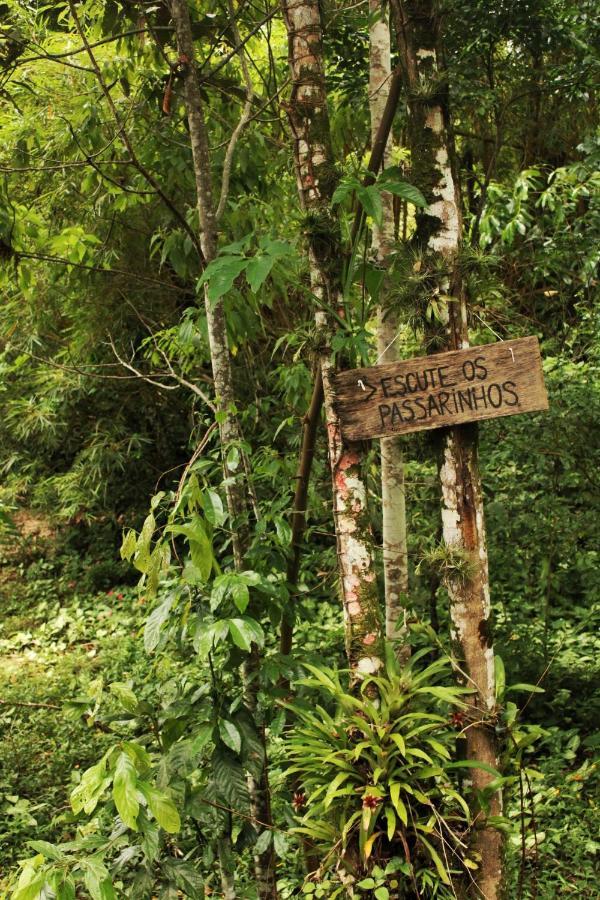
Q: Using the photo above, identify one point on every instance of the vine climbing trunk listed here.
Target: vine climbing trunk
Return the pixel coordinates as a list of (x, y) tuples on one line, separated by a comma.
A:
[(393, 499), (438, 238), (236, 480), (316, 176)]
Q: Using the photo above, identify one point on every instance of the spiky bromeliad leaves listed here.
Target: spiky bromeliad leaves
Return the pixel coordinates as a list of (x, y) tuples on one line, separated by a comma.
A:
[(377, 776)]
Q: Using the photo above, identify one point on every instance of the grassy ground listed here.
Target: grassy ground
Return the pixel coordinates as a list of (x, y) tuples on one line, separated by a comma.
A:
[(67, 621), (57, 635)]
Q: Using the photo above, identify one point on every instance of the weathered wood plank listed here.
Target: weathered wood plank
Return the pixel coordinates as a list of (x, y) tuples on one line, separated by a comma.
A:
[(485, 382)]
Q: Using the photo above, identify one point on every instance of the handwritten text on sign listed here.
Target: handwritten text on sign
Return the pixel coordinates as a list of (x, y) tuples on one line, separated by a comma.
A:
[(444, 389)]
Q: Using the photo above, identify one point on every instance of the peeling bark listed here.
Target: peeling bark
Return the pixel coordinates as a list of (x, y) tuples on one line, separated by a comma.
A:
[(393, 499), (439, 234), (237, 487), (316, 177)]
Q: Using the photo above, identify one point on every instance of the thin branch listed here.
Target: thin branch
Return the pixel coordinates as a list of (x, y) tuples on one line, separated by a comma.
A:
[(244, 118), (150, 379), (103, 271)]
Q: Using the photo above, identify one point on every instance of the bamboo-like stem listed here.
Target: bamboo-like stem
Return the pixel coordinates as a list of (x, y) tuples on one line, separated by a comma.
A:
[(305, 461)]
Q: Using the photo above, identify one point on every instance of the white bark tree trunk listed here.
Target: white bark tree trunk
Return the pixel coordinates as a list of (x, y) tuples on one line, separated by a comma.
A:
[(439, 234), (393, 497), (307, 112)]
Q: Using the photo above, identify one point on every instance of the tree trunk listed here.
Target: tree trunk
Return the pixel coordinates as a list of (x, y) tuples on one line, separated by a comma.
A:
[(393, 499), (316, 176), (439, 233), (236, 485)]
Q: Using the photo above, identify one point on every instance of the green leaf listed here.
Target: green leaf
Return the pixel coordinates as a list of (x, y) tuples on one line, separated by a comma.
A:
[(390, 816), (65, 888), (213, 507), (94, 782), (263, 842), (441, 869), (500, 676), (47, 850), (345, 189), (202, 737), (382, 893), (240, 595), (187, 878), (220, 275), (230, 735), (390, 181), (162, 808), (473, 764), (125, 791), (258, 269), (398, 803), (155, 621), (29, 887), (372, 204), (129, 545), (97, 879), (528, 688), (244, 632), (124, 695)]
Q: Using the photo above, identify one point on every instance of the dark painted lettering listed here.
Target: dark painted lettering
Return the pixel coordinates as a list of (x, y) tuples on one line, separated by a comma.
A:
[(507, 387)]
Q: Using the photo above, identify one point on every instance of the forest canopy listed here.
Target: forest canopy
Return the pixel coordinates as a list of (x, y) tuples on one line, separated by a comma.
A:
[(244, 650)]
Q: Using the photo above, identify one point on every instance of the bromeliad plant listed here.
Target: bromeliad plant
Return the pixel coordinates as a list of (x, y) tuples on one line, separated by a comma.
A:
[(376, 775)]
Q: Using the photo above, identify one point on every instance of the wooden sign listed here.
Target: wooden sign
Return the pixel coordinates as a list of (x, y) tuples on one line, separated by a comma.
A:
[(443, 389)]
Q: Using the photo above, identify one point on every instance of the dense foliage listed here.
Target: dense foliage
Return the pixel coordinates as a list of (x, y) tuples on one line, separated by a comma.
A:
[(142, 683)]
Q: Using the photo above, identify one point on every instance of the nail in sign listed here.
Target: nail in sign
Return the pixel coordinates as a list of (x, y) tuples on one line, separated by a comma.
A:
[(444, 389)]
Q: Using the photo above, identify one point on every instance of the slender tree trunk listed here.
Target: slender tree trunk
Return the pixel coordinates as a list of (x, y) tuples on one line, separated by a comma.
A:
[(439, 234), (307, 112), (393, 498), (307, 450), (236, 484)]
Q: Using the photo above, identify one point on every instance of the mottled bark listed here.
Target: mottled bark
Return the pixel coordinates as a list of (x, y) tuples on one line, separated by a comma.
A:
[(237, 487), (316, 176), (393, 501), (439, 234)]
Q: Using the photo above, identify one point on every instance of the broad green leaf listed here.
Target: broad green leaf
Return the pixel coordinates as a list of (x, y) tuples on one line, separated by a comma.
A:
[(155, 621), (213, 507), (50, 851), (244, 632), (263, 842), (162, 807), (30, 886), (202, 737), (125, 791), (124, 695), (230, 735), (221, 274), (129, 545), (258, 269)]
